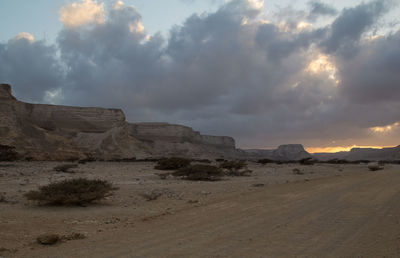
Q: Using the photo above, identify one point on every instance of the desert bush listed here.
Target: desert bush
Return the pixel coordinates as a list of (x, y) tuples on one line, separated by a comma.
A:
[(239, 172), (202, 161), (306, 161), (375, 167), (355, 162), (153, 195), (172, 163), (132, 159), (384, 162), (72, 192), (233, 164), (7, 153), (2, 198), (235, 168), (337, 161), (265, 161), (220, 160), (66, 168), (297, 171), (200, 173)]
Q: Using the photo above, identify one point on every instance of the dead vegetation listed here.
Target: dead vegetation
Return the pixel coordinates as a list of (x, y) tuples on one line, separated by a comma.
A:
[(79, 191), (8, 153), (307, 162), (172, 163), (152, 196), (200, 173), (297, 171), (3, 198), (265, 161), (235, 168)]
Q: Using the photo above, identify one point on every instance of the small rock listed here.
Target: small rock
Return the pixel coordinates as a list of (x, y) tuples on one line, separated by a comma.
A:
[(205, 192), (48, 239)]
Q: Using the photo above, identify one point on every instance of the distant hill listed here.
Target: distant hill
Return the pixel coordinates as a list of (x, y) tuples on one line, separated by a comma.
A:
[(282, 153), (362, 154)]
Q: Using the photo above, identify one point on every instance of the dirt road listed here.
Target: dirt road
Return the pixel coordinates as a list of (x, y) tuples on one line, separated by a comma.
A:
[(347, 216)]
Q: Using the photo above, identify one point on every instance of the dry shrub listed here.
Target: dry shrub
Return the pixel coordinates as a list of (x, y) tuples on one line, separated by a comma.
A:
[(7, 153), (265, 161), (200, 173), (152, 196), (66, 168), (235, 168), (233, 164), (220, 160), (306, 161), (2, 198), (172, 163), (297, 171), (202, 161), (72, 192)]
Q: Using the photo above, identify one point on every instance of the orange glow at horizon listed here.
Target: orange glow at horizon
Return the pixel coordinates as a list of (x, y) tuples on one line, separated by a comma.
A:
[(340, 148)]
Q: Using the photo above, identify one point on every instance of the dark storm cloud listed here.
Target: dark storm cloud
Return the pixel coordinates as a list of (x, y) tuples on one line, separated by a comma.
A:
[(227, 72), (372, 76), (113, 63), (346, 30), (318, 9), (31, 67)]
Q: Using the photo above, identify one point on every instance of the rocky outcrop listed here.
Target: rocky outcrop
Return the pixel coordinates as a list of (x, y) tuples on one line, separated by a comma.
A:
[(178, 140), (362, 154), (5, 92), (50, 132), (178, 134), (291, 152), (288, 152)]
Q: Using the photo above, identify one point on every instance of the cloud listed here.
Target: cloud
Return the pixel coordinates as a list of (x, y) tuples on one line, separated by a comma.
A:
[(371, 76), (318, 9), (83, 12), (30, 66), (226, 72), (25, 35), (346, 31)]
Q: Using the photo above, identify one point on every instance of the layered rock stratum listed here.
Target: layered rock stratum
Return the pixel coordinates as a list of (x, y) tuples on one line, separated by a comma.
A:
[(51, 132)]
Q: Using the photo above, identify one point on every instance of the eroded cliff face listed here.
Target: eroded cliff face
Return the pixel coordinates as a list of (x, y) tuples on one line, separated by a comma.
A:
[(50, 132), (177, 140), (178, 134)]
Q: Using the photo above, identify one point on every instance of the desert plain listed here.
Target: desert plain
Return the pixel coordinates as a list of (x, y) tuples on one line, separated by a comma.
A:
[(327, 210)]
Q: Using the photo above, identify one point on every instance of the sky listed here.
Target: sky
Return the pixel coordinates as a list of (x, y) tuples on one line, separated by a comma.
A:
[(266, 73)]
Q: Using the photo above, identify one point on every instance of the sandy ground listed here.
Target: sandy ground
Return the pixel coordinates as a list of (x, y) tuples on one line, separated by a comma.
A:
[(329, 211)]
